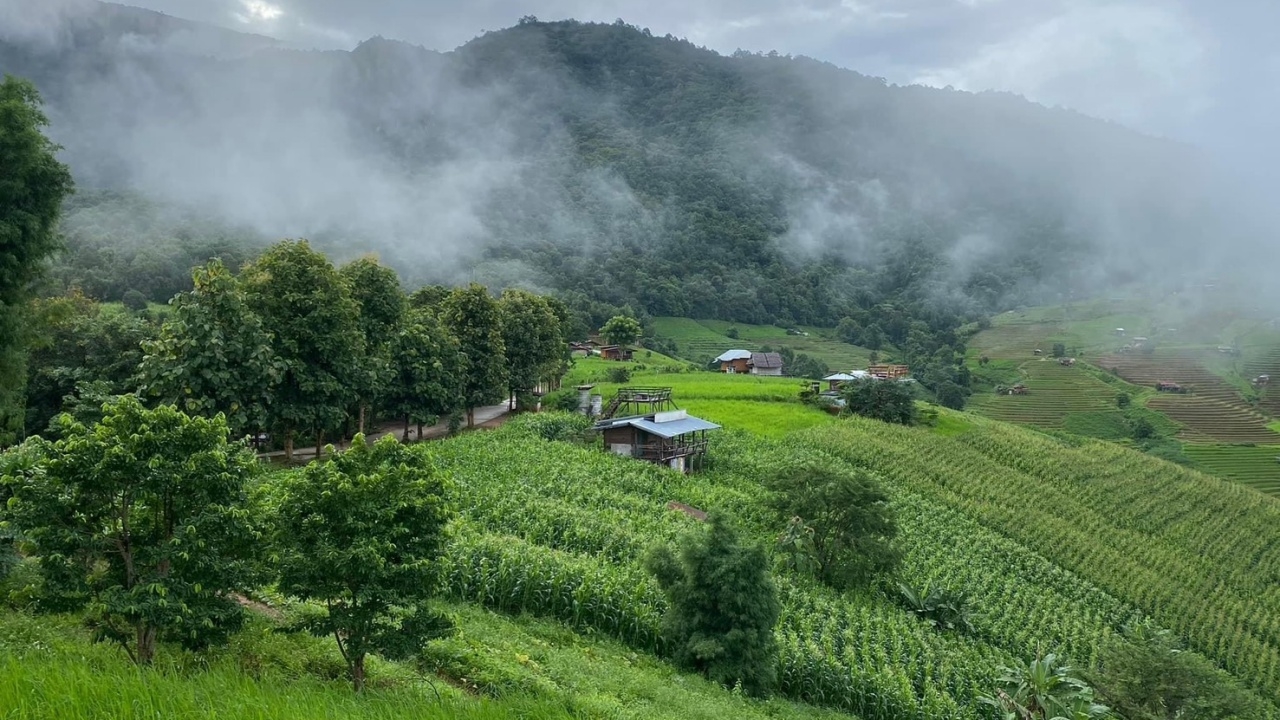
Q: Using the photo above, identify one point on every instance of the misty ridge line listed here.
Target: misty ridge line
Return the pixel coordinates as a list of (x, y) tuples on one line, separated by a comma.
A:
[(457, 166)]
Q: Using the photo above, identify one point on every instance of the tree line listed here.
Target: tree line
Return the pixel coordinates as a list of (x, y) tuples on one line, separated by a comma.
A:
[(299, 347)]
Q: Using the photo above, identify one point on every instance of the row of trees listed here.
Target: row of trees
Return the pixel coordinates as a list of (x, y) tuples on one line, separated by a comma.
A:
[(297, 345), (146, 523)]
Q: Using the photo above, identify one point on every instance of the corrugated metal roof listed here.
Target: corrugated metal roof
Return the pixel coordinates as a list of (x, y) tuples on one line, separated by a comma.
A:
[(674, 428), (840, 377), (766, 360), (728, 355)]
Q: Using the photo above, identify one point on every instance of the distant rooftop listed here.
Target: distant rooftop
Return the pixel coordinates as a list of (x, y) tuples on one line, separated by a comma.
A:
[(730, 355)]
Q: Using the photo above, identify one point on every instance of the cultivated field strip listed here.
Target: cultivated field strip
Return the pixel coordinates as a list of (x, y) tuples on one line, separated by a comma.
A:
[(1256, 466), (1213, 411), (1055, 393), (559, 530), (1197, 553)]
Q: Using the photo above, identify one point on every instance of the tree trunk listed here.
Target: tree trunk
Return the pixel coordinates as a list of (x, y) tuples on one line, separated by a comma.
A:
[(319, 443), (406, 429), (146, 644), (419, 432), (357, 672), (471, 417), (362, 411), (288, 446)]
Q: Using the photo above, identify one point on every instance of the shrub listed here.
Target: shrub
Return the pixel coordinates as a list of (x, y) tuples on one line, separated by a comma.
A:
[(723, 607), (566, 400), (134, 300), (619, 375), (881, 400), (555, 425)]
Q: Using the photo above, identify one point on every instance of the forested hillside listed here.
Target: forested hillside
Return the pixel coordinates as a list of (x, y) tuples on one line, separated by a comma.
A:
[(602, 161)]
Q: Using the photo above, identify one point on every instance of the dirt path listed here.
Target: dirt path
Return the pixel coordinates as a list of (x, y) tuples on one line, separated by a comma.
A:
[(488, 417)]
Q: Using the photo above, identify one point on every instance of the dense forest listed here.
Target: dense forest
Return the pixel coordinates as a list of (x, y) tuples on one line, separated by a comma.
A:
[(624, 172), (592, 159)]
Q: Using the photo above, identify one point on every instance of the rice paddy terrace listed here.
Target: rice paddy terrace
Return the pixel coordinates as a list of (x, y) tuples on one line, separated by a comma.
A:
[(1225, 427), (1211, 411)]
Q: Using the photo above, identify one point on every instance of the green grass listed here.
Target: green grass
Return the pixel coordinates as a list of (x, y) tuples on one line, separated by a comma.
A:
[(50, 671), (774, 419), (494, 667), (705, 339), (595, 678), (951, 423)]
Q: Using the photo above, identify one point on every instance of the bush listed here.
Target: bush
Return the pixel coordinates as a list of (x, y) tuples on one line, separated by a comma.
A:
[(1123, 401), (1059, 350), (619, 375), (134, 301), (847, 519), (881, 400), (569, 427), (723, 607), (731, 333), (566, 400)]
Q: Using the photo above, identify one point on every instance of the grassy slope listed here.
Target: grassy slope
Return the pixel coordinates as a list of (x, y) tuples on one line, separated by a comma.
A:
[(514, 667), (705, 339)]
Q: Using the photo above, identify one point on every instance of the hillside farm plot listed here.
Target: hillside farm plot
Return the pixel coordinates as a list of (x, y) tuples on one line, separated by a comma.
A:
[(1257, 466), (1212, 410), (1265, 360), (1054, 394), (705, 339)]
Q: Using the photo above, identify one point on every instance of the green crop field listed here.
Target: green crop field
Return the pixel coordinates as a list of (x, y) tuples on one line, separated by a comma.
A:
[(705, 339), (1253, 465), (1220, 410)]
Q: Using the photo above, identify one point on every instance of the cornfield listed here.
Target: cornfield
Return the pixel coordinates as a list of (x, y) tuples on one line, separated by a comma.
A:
[(560, 531)]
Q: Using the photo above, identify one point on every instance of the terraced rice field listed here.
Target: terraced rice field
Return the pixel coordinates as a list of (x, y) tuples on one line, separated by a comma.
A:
[(1255, 466), (1055, 393), (1266, 361), (1213, 412)]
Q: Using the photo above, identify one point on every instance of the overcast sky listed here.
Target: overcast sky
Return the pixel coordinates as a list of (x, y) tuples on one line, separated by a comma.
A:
[(1205, 71)]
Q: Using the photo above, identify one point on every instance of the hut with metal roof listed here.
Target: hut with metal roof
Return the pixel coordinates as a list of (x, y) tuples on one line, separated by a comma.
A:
[(735, 361), (644, 423)]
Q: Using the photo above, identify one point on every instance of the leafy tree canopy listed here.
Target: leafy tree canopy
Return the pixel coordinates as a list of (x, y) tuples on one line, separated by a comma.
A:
[(142, 519), (723, 606), (886, 400), (362, 533)]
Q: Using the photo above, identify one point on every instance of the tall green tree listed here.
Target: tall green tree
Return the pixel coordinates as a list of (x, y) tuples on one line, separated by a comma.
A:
[(76, 344), (142, 518), (381, 304), (851, 526), (475, 319), (362, 533), (887, 400), (427, 372), (532, 340), (33, 185), (213, 354), (313, 322), (723, 607), (621, 330)]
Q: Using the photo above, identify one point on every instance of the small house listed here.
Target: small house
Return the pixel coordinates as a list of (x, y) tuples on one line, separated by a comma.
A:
[(673, 437), (615, 352), (735, 361), (769, 363), (835, 380)]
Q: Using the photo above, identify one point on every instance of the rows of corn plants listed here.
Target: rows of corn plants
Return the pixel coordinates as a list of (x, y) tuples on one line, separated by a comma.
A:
[(1197, 554), (594, 515), (1021, 601), (868, 659)]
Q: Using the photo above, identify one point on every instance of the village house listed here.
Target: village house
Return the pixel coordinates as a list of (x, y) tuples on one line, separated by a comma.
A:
[(735, 361), (769, 363), (615, 352)]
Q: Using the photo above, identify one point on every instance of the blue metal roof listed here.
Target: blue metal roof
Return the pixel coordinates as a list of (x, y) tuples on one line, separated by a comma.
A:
[(673, 428)]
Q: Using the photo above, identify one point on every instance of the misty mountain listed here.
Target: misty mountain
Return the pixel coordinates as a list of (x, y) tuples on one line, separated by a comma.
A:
[(605, 162)]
